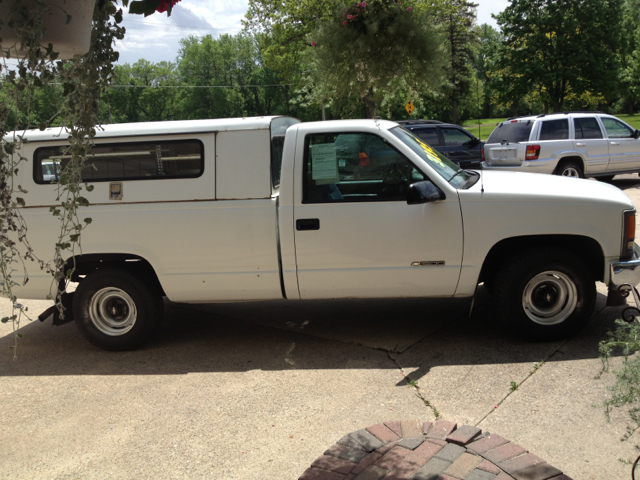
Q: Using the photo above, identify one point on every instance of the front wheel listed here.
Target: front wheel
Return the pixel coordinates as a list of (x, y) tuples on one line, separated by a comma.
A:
[(545, 294), (116, 310)]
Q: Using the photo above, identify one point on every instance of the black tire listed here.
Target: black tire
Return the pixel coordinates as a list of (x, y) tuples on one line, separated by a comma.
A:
[(117, 310), (570, 169), (544, 294)]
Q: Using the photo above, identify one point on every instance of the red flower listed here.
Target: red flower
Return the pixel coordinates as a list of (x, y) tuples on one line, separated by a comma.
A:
[(409, 9), (313, 44), (344, 23), (351, 17), (164, 5)]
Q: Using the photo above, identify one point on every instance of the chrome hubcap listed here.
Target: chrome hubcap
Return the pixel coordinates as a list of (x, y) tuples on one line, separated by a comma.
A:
[(112, 311), (549, 298), (570, 172)]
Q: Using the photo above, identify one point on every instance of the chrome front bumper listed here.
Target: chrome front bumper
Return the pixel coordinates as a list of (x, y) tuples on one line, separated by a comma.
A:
[(626, 272)]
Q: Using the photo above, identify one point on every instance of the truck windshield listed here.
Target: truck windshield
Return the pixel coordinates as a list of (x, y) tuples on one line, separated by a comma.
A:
[(446, 168)]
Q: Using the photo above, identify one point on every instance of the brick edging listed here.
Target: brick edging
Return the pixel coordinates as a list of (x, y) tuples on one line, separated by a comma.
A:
[(411, 449)]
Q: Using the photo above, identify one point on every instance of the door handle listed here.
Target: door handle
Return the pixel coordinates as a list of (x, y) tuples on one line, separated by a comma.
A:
[(308, 224), (615, 143), (580, 144)]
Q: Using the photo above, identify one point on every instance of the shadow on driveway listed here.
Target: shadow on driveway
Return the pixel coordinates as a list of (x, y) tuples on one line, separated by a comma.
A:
[(285, 335)]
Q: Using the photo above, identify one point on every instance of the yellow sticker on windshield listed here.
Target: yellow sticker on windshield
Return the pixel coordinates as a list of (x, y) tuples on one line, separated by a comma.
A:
[(431, 154)]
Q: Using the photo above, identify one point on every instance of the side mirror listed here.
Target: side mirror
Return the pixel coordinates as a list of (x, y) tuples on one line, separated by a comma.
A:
[(636, 134), (424, 192)]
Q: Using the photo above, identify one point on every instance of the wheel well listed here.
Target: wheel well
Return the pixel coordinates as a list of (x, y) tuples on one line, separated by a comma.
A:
[(85, 264), (565, 160), (585, 248)]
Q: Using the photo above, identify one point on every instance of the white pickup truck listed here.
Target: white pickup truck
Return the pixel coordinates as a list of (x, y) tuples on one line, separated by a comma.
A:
[(269, 208)]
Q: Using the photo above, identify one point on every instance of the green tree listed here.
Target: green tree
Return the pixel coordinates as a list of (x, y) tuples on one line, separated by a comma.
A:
[(229, 77), (284, 29), (461, 37), (371, 50), (144, 92), (489, 43), (630, 56), (559, 49)]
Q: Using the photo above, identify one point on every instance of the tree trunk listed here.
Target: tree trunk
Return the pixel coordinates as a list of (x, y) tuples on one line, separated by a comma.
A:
[(256, 96), (369, 104), (286, 96), (454, 110), (546, 106)]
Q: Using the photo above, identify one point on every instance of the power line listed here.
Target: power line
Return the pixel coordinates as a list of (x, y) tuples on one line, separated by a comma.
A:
[(165, 27), (201, 86), (169, 25)]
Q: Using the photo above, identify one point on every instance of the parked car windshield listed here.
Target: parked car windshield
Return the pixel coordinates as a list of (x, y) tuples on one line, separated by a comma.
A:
[(448, 170), (513, 131)]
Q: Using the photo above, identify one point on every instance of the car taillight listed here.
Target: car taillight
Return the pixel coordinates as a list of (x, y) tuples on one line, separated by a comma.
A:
[(533, 152), (482, 153), (628, 235)]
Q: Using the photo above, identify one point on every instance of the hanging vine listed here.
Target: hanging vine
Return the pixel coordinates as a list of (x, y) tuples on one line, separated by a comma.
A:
[(83, 81)]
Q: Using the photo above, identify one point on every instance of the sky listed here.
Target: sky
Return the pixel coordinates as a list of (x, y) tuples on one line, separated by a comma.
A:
[(157, 37)]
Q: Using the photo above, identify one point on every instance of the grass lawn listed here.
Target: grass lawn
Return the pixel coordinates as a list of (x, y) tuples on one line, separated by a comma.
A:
[(486, 127), (488, 124), (633, 120)]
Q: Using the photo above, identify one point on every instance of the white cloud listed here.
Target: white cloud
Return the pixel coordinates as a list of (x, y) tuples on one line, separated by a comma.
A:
[(157, 37), (486, 8)]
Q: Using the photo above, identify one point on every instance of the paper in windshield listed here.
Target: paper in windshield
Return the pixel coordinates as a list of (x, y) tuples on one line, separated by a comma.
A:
[(324, 163)]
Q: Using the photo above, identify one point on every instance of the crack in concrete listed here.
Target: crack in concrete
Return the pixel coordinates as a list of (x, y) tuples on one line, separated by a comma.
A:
[(414, 384), (536, 367)]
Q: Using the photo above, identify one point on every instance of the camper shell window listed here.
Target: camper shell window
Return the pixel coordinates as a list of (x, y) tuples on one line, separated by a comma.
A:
[(125, 161)]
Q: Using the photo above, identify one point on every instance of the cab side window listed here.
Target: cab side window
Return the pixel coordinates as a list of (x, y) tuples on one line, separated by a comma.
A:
[(616, 129), (355, 167)]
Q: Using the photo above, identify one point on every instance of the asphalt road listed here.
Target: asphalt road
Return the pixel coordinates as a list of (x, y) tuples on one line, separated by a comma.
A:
[(259, 390)]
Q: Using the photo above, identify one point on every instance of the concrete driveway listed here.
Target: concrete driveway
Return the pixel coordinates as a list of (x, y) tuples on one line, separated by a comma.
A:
[(260, 390)]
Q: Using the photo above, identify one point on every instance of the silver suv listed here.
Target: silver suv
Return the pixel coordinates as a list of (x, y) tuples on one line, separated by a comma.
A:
[(572, 144)]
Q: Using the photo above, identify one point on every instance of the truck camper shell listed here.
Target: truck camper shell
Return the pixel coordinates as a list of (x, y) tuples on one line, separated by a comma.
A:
[(198, 188)]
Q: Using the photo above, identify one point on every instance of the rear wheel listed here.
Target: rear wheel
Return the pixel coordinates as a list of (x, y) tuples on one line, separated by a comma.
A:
[(570, 169), (116, 310), (545, 294)]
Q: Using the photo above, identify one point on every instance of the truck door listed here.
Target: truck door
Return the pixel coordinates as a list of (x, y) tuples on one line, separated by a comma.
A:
[(355, 234)]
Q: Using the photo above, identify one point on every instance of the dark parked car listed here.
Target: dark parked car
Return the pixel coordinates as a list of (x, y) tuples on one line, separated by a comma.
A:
[(453, 141)]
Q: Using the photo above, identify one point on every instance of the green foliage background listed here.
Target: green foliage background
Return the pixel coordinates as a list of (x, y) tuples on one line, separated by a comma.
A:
[(293, 57)]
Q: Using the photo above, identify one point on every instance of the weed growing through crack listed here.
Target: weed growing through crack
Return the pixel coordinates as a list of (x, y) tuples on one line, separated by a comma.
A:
[(514, 386), (435, 411), (536, 367), (426, 402)]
